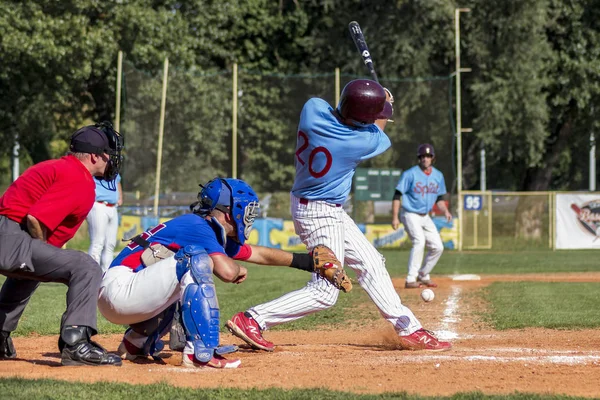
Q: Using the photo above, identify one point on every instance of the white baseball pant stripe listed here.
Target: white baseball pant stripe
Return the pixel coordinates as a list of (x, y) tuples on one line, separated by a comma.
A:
[(422, 232), (128, 297), (103, 225), (317, 223)]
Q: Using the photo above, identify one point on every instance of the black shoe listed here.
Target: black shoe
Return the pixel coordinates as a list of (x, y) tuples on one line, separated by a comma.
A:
[(7, 349), (80, 350)]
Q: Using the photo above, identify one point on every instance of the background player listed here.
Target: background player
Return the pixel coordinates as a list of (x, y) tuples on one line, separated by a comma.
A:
[(103, 221), (39, 213), (145, 281), (421, 187), (330, 145)]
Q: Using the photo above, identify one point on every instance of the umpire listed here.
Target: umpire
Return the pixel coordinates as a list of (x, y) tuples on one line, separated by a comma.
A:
[(39, 213)]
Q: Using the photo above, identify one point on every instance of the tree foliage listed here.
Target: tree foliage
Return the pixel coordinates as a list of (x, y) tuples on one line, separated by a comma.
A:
[(529, 98)]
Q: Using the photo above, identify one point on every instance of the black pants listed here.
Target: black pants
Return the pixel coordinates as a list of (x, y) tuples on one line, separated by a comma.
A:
[(27, 262)]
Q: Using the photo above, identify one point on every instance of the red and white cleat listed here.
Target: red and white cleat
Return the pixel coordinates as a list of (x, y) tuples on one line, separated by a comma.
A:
[(427, 282), (216, 362), (248, 330), (424, 340)]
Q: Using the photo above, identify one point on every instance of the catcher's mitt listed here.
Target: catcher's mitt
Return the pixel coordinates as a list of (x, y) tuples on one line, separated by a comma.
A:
[(329, 267)]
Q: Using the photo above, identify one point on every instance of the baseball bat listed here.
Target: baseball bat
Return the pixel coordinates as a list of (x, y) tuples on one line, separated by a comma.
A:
[(361, 45)]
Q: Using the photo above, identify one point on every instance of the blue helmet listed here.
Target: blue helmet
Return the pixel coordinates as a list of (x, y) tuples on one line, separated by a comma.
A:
[(231, 196)]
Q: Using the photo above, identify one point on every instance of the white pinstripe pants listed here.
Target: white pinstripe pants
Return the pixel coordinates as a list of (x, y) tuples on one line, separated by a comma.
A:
[(317, 223)]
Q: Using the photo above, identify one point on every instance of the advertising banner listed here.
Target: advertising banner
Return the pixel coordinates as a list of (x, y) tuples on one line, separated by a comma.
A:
[(577, 221)]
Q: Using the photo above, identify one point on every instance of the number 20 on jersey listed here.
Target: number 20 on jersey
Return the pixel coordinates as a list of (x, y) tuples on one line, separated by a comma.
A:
[(301, 156)]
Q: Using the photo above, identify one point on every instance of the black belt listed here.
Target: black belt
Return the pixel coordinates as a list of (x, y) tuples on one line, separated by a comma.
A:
[(306, 201)]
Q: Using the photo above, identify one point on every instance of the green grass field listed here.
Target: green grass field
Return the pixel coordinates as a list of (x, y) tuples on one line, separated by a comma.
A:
[(523, 304), (43, 314), (21, 389)]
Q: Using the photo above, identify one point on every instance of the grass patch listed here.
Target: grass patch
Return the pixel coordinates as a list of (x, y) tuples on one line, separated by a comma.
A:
[(524, 262), (42, 316), (555, 305), (21, 389)]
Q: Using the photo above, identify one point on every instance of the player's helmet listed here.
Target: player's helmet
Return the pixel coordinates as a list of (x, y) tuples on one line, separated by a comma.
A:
[(425, 149), (231, 196), (364, 101)]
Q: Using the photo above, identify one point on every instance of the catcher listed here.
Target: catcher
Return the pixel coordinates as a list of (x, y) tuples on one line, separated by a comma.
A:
[(174, 262)]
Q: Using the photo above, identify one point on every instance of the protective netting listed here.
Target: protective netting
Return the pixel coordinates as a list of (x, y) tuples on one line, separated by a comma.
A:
[(198, 129)]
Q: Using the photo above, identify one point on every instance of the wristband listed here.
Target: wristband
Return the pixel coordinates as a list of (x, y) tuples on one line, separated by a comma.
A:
[(302, 261)]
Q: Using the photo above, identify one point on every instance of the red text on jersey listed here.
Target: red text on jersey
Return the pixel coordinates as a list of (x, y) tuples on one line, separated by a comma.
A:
[(302, 137)]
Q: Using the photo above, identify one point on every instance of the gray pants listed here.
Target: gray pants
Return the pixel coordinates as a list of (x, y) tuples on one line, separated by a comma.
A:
[(26, 262)]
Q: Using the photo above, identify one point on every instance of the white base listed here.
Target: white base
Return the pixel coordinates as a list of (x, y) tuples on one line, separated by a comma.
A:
[(466, 277)]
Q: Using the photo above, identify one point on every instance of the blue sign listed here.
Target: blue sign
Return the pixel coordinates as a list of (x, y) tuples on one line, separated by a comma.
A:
[(473, 202)]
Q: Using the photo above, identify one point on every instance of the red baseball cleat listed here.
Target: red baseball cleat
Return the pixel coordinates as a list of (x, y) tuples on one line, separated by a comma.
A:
[(247, 329), (128, 351), (427, 282), (216, 362), (423, 340)]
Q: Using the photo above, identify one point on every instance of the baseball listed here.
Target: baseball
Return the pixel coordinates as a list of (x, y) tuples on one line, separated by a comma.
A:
[(427, 295)]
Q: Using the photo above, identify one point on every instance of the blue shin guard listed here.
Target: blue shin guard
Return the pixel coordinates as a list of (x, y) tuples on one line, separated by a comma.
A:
[(199, 306)]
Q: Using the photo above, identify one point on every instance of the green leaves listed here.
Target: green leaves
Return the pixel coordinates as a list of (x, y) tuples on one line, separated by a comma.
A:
[(529, 97)]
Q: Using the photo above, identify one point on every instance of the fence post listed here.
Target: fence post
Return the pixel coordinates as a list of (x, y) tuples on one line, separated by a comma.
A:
[(234, 112), (118, 101), (337, 87), (161, 129)]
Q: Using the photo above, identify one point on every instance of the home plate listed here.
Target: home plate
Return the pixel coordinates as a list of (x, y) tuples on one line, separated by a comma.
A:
[(466, 277)]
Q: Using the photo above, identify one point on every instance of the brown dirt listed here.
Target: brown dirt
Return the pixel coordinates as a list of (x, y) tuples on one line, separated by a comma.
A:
[(367, 359)]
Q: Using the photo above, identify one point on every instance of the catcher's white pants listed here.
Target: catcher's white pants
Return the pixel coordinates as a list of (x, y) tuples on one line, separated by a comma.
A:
[(128, 297), (422, 232), (317, 223), (103, 224)]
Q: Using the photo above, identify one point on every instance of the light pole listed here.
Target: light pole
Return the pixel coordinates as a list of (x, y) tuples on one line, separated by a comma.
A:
[(459, 129)]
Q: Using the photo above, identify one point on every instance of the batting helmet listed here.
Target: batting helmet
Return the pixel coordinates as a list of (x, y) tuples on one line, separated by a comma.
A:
[(363, 100), (231, 196), (425, 149)]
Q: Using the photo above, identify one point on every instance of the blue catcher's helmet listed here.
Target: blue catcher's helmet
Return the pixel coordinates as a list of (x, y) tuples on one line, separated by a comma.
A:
[(231, 196)]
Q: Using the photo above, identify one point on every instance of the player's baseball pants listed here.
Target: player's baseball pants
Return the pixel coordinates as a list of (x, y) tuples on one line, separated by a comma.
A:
[(103, 225), (317, 223), (44, 263), (128, 297), (422, 232)]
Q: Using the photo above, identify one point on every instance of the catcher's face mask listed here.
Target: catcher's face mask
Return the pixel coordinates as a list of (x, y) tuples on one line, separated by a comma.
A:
[(251, 212), (101, 139), (115, 147)]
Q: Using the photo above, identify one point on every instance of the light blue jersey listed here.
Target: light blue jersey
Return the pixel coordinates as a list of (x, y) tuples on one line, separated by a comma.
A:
[(328, 152), (419, 190), (104, 192)]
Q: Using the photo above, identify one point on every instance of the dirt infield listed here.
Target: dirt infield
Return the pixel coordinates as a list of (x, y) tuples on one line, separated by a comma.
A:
[(366, 360)]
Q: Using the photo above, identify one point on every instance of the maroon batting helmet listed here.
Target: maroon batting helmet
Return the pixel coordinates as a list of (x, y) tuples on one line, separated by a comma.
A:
[(363, 100), (425, 149)]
